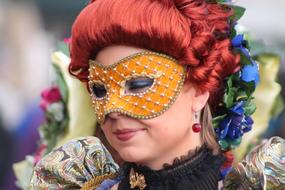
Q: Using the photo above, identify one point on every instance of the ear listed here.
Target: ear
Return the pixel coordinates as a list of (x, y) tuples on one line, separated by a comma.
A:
[(199, 100), (197, 97)]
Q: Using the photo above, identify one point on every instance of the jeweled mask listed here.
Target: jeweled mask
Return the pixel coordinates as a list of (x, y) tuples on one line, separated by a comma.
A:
[(142, 85)]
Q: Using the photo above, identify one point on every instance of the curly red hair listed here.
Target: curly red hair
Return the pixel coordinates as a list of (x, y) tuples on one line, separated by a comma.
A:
[(195, 32)]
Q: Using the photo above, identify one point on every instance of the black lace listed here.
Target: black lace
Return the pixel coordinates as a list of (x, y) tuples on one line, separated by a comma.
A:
[(198, 170)]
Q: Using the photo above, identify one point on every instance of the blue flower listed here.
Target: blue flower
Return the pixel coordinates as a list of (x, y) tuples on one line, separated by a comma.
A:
[(235, 124), (238, 108), (250, 73), (240, 43)]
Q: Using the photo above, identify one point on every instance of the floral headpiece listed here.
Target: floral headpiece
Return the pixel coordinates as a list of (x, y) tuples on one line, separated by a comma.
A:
[(234, 117)]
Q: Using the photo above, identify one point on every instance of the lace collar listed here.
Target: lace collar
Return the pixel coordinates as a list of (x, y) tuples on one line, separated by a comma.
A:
[(199, 169)]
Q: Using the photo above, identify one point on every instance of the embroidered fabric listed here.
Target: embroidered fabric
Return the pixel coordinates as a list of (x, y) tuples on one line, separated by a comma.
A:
[(79, 161), (199, 170), (73, 164)]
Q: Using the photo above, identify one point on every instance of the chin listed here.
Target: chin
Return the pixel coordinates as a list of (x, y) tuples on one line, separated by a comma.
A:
[(132, 155)]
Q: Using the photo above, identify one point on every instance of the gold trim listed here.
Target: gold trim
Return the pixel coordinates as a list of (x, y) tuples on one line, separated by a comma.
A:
[(90, 85), (97, 180), (93, 63)]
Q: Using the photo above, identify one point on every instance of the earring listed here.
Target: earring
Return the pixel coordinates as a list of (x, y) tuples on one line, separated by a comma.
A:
[(196, 127)]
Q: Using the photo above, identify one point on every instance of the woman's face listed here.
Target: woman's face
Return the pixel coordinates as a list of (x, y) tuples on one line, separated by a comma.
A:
[(152, 142)]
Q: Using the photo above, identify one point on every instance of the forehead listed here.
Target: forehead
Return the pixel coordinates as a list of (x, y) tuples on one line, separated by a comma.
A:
[(114, 53), (144, 63)]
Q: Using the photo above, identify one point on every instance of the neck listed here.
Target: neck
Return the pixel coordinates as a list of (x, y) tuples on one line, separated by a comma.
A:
[(178, 150)]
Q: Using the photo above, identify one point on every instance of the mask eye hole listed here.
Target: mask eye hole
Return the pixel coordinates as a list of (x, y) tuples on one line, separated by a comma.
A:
[(138, 85), (98, 90)]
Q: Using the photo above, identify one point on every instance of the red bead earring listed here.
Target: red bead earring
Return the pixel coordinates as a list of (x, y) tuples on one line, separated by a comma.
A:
[(196, 127)]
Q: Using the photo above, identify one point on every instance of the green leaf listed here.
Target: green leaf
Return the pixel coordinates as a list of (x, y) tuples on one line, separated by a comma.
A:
[(230, 96), (238, 12), (249, 108), (63, 127), (230, 82), (243, 59), (233, 32), (216, 121), (228, 99), (249, 87), (234, 142), (241, 95), (223, 144), (49, 116), (236, 77), (221, 1)]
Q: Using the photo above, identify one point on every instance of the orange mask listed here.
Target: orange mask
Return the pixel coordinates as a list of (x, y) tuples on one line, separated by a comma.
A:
[(143, 85)]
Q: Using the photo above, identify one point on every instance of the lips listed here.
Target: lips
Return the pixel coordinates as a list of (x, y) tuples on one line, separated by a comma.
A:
[(126, 134)]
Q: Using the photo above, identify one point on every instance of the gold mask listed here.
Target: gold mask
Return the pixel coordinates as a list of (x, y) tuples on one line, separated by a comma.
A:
[(143, 85)]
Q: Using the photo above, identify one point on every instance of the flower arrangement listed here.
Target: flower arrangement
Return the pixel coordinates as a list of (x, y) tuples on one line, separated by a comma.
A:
[(234, 117), (53, 103), (55, 114)]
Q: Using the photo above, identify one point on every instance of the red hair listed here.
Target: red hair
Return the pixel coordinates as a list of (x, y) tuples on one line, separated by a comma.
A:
[(194, 32)]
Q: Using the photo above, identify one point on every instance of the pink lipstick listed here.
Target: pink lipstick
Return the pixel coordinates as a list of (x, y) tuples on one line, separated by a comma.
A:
[(126, 134)]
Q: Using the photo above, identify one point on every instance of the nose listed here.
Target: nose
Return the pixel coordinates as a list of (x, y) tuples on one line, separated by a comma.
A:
[(115, 115)]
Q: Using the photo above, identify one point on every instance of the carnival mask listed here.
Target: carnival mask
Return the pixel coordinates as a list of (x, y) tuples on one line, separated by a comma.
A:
[(142, 85)]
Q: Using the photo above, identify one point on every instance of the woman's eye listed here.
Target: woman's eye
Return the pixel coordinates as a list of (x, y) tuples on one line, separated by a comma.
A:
[(138, 85), (99, 90)]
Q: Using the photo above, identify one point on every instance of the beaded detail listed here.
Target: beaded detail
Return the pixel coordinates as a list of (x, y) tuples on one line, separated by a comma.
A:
[(166, 73)]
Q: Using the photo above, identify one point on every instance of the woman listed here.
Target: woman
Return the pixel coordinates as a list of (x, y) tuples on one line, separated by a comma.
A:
[(155, 71)]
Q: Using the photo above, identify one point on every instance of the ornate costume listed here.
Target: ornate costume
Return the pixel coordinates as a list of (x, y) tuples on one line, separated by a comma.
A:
[(85, 163), (204, 51)]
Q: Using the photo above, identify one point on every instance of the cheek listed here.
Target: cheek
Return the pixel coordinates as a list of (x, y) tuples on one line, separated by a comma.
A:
[(170, 131), (166, 130), (106, 128), (171, 122)]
